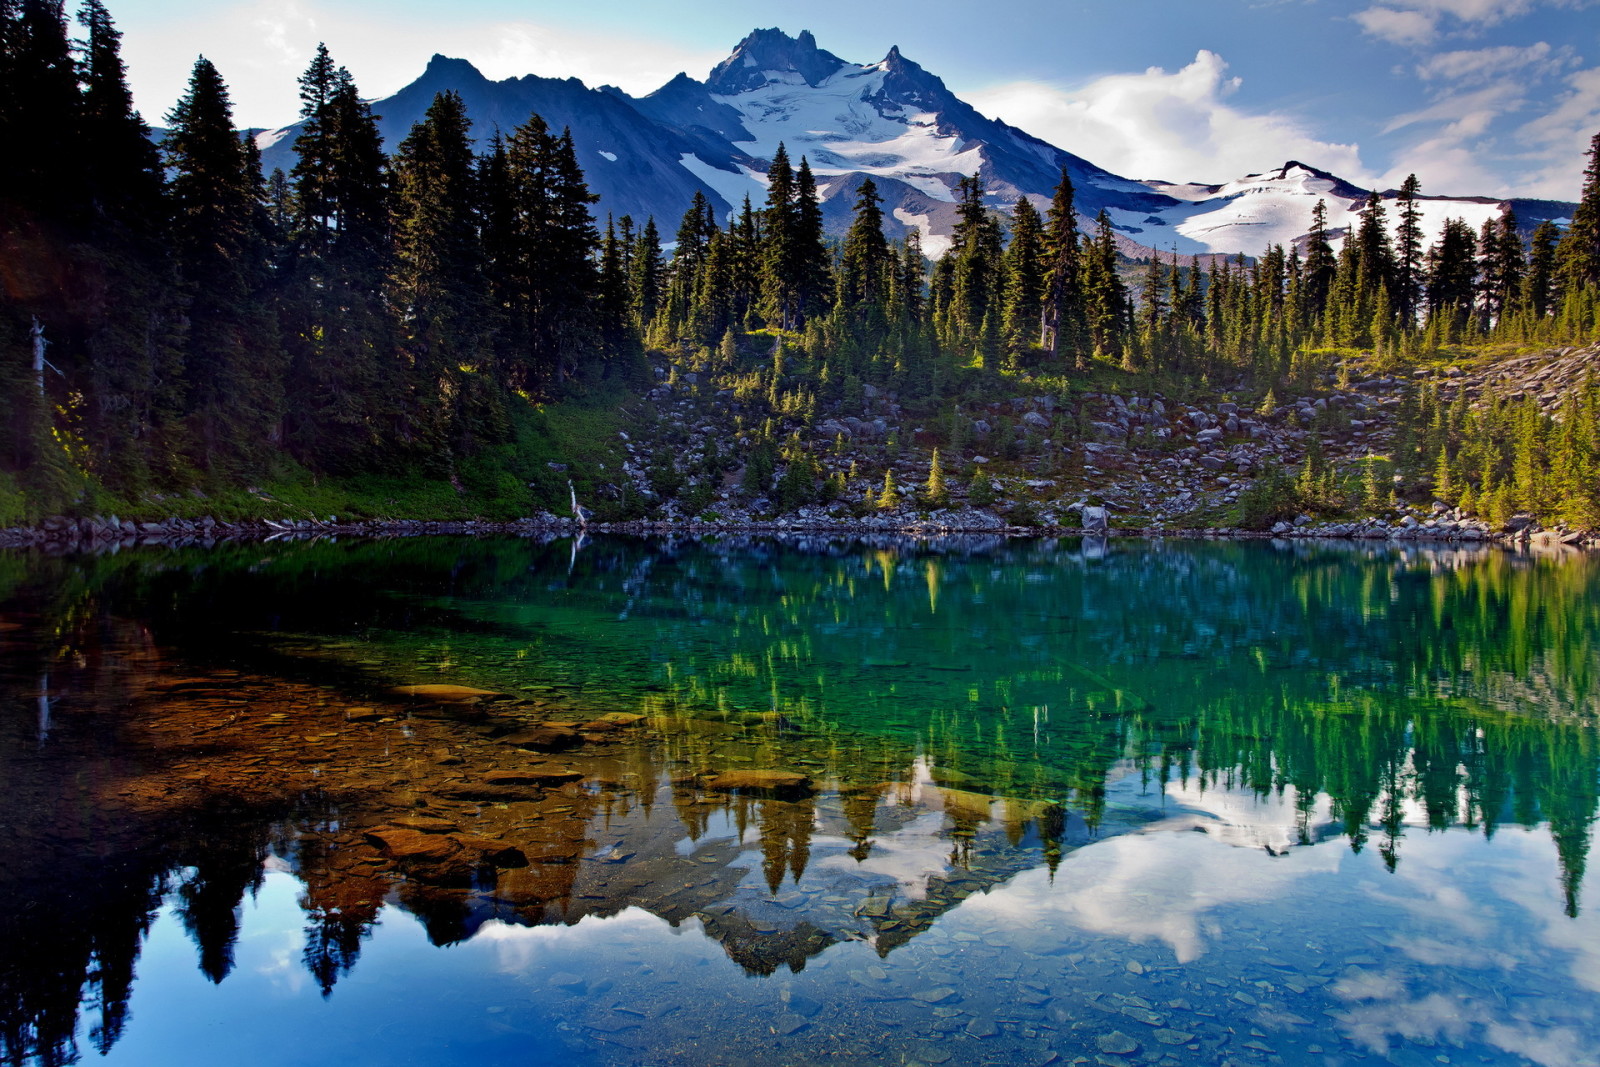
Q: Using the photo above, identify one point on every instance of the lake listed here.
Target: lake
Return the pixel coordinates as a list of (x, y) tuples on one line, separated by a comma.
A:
[(799, 800)]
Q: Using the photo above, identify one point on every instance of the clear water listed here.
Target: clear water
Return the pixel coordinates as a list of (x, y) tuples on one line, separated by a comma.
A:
[(1051, 802)]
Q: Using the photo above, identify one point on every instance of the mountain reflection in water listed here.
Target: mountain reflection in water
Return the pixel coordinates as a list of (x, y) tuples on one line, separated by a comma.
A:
[(949, 723)]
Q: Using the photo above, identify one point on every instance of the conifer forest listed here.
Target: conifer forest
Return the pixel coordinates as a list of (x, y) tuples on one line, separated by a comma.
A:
[(421, 321)]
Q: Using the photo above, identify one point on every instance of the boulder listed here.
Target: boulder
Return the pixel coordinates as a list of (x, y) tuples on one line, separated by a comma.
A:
[(1094, 519), (491, 852), (545, 738), (438, 693), (412, 846), (427, 824), (763, 782), (534, 776)]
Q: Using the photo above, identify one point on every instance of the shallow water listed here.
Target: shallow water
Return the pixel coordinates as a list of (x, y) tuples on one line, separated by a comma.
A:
[(1045, 802)]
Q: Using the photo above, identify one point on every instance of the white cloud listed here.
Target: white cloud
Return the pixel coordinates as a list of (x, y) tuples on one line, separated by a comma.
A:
[(1474, 66), (262, 46), (1398, 27), (1559, 139), (1475, 134), (1171, 125), (1421, 22)]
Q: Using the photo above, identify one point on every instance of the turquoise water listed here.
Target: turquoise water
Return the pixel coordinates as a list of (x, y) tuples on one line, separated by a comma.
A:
[(1058, 802)]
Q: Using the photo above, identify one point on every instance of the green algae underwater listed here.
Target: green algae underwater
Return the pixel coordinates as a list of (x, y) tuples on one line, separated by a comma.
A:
[(799, 800)]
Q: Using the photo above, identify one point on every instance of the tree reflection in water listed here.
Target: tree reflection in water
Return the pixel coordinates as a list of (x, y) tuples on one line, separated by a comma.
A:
[(960, 710)]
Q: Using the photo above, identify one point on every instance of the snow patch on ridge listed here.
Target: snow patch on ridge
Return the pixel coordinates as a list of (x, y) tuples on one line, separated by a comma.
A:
[(733, 188), (844, 124), (934, 245)]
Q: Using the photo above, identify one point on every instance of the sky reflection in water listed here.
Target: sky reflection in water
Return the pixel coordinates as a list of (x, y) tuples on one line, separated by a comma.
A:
[(1391, 759)]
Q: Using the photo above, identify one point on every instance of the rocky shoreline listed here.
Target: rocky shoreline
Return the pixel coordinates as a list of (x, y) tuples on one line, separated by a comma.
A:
[(1440, 524)]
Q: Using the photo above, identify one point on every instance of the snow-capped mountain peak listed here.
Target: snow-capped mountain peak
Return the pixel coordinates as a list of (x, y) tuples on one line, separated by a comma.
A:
[(765, 53), (892, 121)]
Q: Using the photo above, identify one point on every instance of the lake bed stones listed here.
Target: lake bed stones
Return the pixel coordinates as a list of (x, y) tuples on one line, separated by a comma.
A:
[(754, 782)]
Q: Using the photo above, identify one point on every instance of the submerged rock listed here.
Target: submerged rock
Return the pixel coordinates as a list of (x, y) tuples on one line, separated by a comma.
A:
[(440, 693), (413, 846), (769, 782), (545, 738)]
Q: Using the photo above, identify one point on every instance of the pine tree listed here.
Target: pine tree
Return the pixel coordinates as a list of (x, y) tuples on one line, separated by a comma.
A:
[(935, 492), (644, 279), (1321, 267), (438, 285), (1152, 314), (1578, 255), (865, 262), (1024, 264), (1408, 254), (975, 252), (1539, 281), (693, 245), (613, 310), (889, 496), (911, 279), (1063, 319), (780, 227), (128, 319), (554, 277), (811, 264), (342, 397), (1105, 299), (744, 267), (43, 117), (122, 165), (233, 364), (1452, 280)]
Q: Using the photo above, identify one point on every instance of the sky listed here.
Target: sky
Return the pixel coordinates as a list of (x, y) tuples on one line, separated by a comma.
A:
[(1476, 97)]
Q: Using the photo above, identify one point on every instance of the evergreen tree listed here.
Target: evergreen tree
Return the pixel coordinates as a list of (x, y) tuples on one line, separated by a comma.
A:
[(439, 286), (935, 492), (911, 278), (1321, 267), (688, 261), (1408, 254), (42, 116), (744, 266), (1578, 256), (1452, 280), (811, 262), (645, 275), (1063, 322), (233, 364), (1501, 267), (555, 279), (975, 254), (343, 399), (1024, 264), (122, 165), (1539, 282), (865, 262), (780, 236), (1105, 299)]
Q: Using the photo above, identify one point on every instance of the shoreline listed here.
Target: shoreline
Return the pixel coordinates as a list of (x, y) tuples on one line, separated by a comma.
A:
[(102, 535)]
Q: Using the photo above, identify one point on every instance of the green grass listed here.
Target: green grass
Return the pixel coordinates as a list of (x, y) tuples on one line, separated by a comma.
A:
[(548, 445)]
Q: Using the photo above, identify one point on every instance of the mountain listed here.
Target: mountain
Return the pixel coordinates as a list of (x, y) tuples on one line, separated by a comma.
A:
[(892, 121), (1259, 210), (629, 159)]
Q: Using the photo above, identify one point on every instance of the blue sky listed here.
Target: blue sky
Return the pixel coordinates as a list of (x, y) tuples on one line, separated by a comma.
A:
[(1489, 97)]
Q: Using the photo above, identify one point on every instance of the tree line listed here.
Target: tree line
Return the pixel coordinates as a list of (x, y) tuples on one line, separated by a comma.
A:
[(174, 317)]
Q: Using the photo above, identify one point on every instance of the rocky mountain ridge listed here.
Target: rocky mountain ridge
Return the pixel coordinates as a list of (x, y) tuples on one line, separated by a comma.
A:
[(892, 121)]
